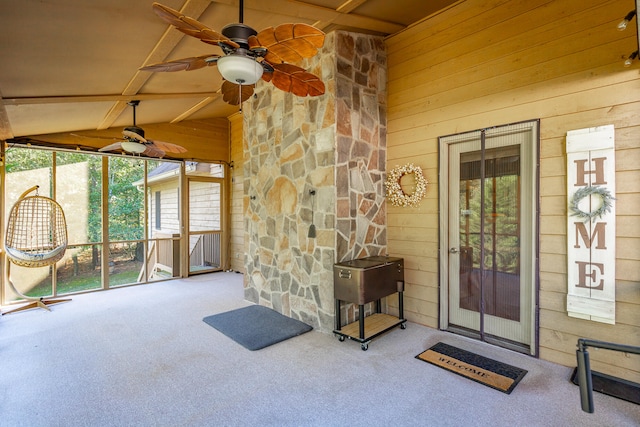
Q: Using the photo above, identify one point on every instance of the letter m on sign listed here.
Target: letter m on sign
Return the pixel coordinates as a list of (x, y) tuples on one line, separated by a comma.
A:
[(591, 259)]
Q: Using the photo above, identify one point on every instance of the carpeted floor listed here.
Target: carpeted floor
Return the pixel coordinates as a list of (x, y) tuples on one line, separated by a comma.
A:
[(142, 356)]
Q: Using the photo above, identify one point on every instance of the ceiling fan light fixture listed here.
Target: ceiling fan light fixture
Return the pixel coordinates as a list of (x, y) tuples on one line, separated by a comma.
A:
[(240, 69), (133, 147)]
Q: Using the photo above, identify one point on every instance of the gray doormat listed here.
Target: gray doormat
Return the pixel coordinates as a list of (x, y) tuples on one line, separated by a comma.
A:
[(255, 327)]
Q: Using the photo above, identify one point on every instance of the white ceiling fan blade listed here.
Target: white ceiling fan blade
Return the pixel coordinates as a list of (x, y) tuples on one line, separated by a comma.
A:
[(111, 147)]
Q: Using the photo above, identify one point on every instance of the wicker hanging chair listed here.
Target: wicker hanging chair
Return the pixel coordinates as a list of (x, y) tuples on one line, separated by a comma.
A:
[(36, 236)]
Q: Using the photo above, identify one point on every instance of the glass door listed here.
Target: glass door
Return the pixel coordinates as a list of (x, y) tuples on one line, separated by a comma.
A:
[(491, 245)]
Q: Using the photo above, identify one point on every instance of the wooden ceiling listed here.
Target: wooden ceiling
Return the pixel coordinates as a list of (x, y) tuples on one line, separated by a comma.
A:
[(72, 65)]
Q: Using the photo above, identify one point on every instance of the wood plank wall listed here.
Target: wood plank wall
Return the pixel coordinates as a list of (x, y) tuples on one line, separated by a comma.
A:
[(236, 249), (492, 62), (204, 139)]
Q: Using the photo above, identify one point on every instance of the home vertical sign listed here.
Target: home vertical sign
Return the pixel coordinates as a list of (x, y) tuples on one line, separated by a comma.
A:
[(591, 224)]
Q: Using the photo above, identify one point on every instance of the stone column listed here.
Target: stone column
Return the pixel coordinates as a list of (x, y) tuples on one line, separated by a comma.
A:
[(335, 145)]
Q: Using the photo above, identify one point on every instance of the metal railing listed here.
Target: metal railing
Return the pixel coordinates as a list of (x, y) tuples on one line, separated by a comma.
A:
[(584, 369)]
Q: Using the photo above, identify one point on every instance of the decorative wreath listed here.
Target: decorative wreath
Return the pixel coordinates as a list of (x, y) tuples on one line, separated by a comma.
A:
[(396, 195), (606, 199)]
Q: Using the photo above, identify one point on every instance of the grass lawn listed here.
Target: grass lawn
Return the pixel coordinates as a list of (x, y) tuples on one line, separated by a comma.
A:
[(84, 283)]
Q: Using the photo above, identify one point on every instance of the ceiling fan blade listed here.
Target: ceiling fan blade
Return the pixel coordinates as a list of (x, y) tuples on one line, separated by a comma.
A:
[(132, 135), (167, 147), (191, 27), (291, 78), (184, 64), (289, 42), (112, 147), (153, 151), (254, 46), (231, 93)]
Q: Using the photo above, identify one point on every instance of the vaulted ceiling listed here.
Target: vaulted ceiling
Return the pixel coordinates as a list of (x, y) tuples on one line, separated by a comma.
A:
[(72, 65)]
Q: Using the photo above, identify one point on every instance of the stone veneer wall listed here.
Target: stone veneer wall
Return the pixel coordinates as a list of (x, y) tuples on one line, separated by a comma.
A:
[(335, 145)]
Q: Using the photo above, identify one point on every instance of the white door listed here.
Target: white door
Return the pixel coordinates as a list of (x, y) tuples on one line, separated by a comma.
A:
[(488, 247)]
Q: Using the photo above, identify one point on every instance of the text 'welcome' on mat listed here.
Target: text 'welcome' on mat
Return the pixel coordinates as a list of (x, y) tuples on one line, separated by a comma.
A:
[(478, 368)]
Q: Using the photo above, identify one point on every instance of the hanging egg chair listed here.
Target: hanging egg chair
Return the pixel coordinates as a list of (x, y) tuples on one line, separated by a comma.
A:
[(36, 236)]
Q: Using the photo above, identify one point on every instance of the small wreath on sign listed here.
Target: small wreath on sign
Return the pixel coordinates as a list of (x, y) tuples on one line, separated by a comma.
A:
[(606, 199), (395, 193)]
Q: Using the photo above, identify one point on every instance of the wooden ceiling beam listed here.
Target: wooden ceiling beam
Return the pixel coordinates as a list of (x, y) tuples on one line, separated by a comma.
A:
[(200, 105), (346, 7), (349, 6), (302, 10), (37, 100), (161, 50)]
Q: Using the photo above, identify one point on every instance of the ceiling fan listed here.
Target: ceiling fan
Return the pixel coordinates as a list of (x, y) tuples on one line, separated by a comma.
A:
[(135, 142), (249, 55)]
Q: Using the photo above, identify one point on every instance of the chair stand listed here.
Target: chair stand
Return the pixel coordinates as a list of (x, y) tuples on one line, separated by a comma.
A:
[(38, 303), (32, 302)]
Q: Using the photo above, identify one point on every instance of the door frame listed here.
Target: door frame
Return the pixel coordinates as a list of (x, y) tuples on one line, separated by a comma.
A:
[(443, 238), (224, 228)]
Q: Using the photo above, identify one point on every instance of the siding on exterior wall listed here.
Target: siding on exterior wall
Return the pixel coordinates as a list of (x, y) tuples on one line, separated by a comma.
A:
[(236, 249), (169, 205), (486, 63)]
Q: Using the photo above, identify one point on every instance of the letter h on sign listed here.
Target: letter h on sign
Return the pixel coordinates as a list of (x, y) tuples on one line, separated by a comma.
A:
[(591, 231)]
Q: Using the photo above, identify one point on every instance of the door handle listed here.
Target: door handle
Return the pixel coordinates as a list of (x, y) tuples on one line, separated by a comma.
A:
[(454, 250)]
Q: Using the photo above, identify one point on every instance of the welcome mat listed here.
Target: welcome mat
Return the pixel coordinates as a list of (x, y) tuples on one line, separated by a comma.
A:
[(255, 327), (478, 368)]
